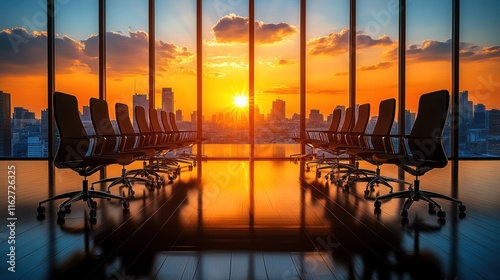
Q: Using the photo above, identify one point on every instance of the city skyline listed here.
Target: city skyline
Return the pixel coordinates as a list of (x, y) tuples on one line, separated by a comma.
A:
[(225, 61)]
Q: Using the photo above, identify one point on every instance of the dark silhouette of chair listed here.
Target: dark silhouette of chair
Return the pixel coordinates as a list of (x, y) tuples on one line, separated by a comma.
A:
[(114, 143), (424, 152), (187, 137), (77, 152), (375, 143), (135, 141), (315, 138)]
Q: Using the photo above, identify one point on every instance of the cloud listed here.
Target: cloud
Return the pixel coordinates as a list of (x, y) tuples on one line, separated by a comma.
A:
[(432, 50), (338, 43), (341, 73), (234, 29), (381, 65), (282, 90), (23, 53), (282, 62)]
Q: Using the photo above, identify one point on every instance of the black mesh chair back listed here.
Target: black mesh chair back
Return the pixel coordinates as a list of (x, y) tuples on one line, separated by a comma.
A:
[(99, 114), (386, 113), (425, 136), (74, 144), (125, 125)]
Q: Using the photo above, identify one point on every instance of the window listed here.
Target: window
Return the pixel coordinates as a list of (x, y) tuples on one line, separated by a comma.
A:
[(23, 79)]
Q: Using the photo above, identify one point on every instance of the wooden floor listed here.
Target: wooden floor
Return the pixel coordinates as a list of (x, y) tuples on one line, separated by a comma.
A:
[(254, 220)]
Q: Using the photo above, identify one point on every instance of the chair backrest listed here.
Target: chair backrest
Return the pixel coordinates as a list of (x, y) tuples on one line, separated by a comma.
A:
[(99, 114), (156, 126), (425, 137), (386, 113), (125, 125), (142, 124), (74, 144), (346, 126), (334, 125), (361, 123), (173, 124), (165, 121)]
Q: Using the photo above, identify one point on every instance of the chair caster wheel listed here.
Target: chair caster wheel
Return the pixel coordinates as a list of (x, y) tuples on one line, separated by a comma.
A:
[(61, 214), (441, 214), (131, 192), (377, 204), (60, 221), (40, 217), (308, 169), (125, 204), (404, 213), (367, 192), (40, 209), (431, 209), (92, 213), (92, 221), (461, 208), (94, 204), (190, 168), (67, 209)]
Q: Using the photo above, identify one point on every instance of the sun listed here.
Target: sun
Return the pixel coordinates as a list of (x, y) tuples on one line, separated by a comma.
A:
[(240, 100)]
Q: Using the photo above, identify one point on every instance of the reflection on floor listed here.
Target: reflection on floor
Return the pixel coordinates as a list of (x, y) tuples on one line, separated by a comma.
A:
[(255, 220)]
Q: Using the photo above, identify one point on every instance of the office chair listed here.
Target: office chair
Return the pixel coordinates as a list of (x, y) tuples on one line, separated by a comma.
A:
[(375, 143), (114, 143), (423, 152), (136, 141), (189, 137), (77, 152), (315, 138)]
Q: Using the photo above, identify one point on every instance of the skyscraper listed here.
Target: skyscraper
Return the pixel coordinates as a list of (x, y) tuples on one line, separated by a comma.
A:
[(167, 99), (5, 125), (178, 115), (278, 110)]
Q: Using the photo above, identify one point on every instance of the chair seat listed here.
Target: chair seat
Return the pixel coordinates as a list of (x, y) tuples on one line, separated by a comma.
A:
[(406, 160), (94, 161)]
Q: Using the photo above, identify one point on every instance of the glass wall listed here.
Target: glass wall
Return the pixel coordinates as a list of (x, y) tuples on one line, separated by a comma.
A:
[(376, 54), (327, 61), (428, 54), (23, 79), (77, 53), (175, 81), (225, 78), (479, 98), (225, 34), (277, 76), (127, 54)]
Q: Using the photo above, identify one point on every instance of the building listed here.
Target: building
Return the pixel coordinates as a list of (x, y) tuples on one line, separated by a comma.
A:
[(278, 111), (178, 115), (315, 118), (494, 121), (409, 121), (5, 125), (167, 99)]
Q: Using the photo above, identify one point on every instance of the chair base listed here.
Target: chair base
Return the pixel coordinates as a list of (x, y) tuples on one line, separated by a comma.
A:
[(126, 181), (415, 194), (86, 195)]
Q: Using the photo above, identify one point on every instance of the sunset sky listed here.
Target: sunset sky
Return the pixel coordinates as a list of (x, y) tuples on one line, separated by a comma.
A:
[(225, 52)]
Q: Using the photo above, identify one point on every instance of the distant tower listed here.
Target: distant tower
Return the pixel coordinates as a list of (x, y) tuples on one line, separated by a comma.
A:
[(278, 110), (178, 115), (167, 99), (5, 125)]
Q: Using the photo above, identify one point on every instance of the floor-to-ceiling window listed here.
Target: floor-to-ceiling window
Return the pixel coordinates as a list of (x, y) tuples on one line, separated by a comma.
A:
[(23, 79), (175, 80), (225, 77), (376, 51), (127, 54), (77, 53), (428, 55), (327, 63), (277, 76), (479, 98)]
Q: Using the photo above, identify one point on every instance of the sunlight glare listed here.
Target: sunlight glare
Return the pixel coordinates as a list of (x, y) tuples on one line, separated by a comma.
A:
[(241, 101)]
